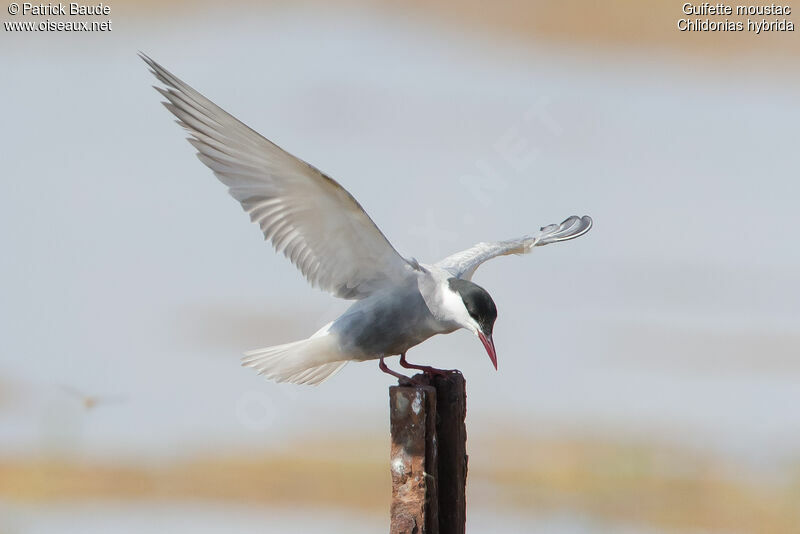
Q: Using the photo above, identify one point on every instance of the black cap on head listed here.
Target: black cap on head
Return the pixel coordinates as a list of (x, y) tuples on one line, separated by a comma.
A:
[(478, 303)]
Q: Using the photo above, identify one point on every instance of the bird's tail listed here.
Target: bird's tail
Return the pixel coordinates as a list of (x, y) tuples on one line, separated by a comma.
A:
[(570, 228), (309, 361)]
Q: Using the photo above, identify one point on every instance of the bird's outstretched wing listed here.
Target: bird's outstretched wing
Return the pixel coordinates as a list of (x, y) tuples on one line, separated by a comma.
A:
[(307, 215), (463, 264)]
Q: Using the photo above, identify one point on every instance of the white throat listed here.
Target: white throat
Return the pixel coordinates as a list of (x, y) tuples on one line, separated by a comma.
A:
[(445, 305)]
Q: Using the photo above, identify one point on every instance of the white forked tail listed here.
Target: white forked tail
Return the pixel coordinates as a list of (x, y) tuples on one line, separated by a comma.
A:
[(310, 361)]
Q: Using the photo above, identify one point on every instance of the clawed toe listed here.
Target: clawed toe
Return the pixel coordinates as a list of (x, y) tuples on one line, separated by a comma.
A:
[(407, 382), (433, 371)]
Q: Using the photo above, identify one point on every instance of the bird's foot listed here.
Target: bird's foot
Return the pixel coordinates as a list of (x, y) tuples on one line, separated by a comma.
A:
[(427, 369), (403, 380)]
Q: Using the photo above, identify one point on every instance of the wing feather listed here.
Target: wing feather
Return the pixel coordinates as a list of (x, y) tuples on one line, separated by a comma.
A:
[(307, 215), (463, 264)]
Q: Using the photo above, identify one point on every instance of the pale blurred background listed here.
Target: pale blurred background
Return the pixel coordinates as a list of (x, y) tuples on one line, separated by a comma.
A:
[(649, 374)]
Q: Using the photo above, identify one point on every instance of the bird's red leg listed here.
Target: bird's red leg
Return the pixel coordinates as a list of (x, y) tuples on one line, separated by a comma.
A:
[(427, 369), (402, 379)]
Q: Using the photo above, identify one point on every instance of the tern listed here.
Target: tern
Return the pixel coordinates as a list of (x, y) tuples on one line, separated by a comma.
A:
[(312, 220)]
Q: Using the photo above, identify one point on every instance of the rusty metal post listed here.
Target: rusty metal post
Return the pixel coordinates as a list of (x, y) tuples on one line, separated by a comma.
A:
[(428, 457), (451, 430), (412, 414)]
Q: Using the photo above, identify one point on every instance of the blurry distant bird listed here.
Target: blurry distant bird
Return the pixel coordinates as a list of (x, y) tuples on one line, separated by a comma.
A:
[(89, 402), (321, 228)]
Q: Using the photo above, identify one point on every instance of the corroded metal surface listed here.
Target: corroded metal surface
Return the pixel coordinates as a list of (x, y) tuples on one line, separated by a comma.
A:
[(413, 460), (429, 455), (451, 402)]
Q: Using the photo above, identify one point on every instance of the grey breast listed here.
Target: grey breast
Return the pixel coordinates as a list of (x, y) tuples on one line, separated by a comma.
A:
[(386, 324)]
